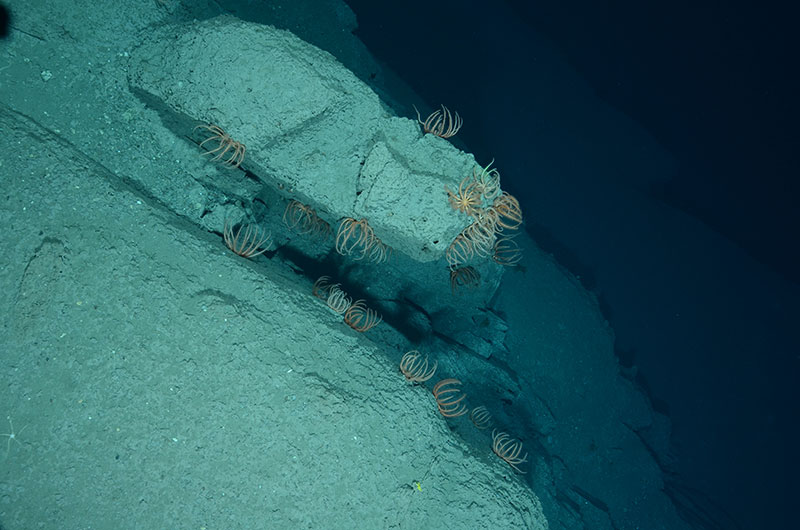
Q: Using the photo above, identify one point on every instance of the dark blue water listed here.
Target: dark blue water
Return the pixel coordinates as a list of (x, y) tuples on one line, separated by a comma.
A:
[(655, 152)]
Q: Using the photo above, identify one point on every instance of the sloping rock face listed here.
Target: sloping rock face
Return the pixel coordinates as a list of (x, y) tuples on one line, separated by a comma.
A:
[(156, 380)]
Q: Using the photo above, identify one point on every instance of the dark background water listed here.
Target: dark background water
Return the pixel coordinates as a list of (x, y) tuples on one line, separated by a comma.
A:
[(693, 250)]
